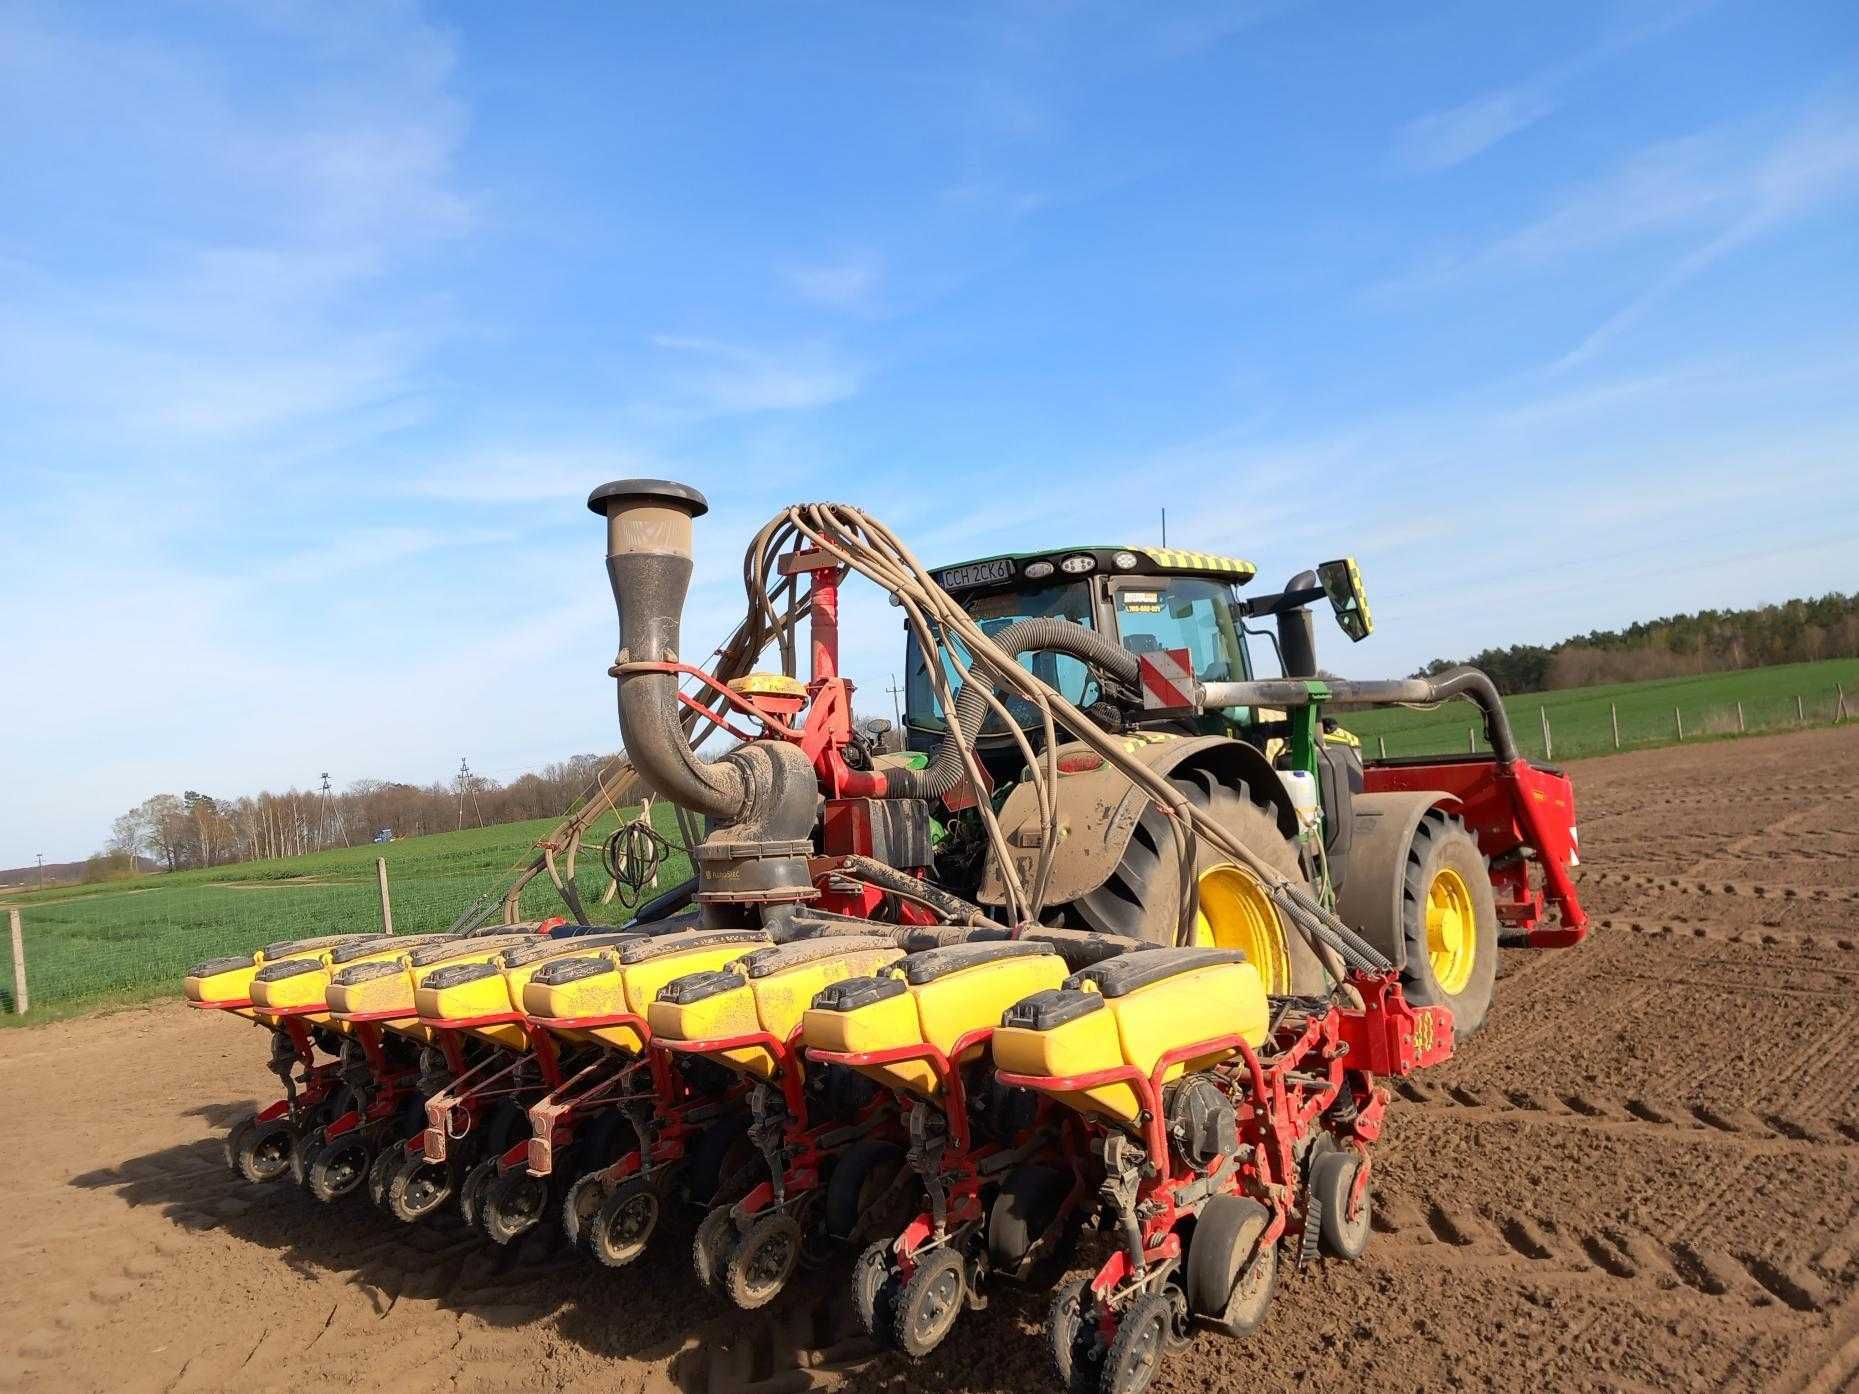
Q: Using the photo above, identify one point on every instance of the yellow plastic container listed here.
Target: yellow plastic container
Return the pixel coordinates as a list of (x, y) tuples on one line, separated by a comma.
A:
[(494, 987), (1152, 1003), (384, 991), (765, 991), (229, 978), (288, 985), (935, 997), (623, 979)]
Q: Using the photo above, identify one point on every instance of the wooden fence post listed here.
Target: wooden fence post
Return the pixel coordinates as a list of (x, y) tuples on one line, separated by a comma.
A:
[(1381, 744), (1741, 729), (1471, 739), (19, 962), (1678, 720), (1613, 715), (387, 905), (1800, 712), (1548, 749)]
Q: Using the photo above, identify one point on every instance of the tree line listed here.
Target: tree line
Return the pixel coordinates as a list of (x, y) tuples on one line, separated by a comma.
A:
[(197, 829), (1710, 641)]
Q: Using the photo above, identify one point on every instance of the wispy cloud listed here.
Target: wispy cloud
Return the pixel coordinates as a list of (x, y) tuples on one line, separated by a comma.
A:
[(1815, 164), (726, 379), (1440, 139), (848, 283)]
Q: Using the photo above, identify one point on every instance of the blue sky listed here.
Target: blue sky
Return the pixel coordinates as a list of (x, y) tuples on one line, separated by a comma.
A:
[(317, 322)]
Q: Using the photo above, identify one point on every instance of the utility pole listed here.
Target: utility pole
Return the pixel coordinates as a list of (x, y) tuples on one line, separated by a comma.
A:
[(322, 828), (897, 709), (41, 871), (466, 781), (1165, 527)]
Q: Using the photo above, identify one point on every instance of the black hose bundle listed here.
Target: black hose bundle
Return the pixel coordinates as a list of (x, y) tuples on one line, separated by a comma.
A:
[(632, 856)]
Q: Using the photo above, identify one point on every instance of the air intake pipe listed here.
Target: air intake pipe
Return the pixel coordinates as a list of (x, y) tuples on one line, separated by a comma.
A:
[(762, 799)]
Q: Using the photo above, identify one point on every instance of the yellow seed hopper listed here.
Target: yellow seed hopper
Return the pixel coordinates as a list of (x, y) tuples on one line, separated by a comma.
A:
[(1115, 1033)]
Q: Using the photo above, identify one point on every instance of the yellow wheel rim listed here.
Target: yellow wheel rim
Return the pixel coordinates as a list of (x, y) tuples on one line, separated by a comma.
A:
[(1236, 913), (1452, 931)]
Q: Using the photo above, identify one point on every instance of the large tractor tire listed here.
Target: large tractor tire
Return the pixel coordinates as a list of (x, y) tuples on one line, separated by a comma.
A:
[(1449, 922), (1141, 897)]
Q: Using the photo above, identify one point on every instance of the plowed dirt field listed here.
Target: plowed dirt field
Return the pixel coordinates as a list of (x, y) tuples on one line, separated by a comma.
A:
[(1643, 1175)]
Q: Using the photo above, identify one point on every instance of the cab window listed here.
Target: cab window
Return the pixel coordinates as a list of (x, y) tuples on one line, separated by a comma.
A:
[(1182, 612), (994, 613)]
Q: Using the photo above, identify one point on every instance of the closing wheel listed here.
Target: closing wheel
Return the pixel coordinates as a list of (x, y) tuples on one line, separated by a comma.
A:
[(874, 1290), (471, 1194), (513, 1205), (1342, 1232), (338, 1168), (1142, 896), (860, 1183), (260, 1152), (416, 1187), (711, 1245), (1180, 1334), (622, 1228), (1228, 1276), (579, 1205), (1071, 1339), (761, 1262), (929, 1303), (1135, 1352), (1449, 921)]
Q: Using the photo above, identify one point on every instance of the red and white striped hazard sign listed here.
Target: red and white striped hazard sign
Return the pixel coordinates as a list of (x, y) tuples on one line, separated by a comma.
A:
[(1167, 678)]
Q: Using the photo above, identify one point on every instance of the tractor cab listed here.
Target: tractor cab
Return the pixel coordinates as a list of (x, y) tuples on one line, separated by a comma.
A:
[(1148, 599)]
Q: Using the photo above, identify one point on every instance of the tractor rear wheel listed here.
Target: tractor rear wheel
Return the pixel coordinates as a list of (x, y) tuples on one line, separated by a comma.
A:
[(1141, 897), (1449, 921)]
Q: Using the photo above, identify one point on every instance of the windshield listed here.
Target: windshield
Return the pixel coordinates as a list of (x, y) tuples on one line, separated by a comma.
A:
[(994, 613), (1182, 612)]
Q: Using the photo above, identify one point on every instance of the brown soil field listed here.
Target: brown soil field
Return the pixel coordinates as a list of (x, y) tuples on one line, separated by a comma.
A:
[(1644, 1174)]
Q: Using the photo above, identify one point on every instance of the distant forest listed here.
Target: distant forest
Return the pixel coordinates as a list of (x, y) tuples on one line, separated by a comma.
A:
[(1710, 641)]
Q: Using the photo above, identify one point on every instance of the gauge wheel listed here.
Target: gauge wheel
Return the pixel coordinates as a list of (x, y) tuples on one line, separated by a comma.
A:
[(1341, 1233)]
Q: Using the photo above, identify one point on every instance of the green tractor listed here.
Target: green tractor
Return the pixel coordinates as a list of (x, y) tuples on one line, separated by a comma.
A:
[(1427, 859)]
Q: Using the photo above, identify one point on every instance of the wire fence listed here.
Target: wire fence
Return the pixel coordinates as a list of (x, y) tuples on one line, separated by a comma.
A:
[(1564, 729), (128, 940)]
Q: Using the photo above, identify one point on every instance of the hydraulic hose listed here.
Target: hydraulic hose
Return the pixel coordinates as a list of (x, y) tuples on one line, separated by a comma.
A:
[(945, 771), (1469, 683), (902, 883)]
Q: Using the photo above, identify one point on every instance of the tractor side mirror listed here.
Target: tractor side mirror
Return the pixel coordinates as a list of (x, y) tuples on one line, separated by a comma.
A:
[(1342, 583)]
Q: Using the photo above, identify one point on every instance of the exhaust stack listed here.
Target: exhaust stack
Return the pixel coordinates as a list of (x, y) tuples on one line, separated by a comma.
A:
[(762, 799)]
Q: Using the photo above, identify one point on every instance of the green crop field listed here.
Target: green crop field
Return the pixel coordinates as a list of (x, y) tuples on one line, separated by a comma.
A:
[(1649, 712), (135, 938)]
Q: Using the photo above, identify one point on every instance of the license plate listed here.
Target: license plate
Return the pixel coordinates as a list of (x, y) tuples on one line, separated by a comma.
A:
[(979, 573)]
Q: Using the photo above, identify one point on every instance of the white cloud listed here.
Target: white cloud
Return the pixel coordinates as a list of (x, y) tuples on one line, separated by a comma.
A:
[(1442, 139), (849, 283), (723, 379), (1815, 164)]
